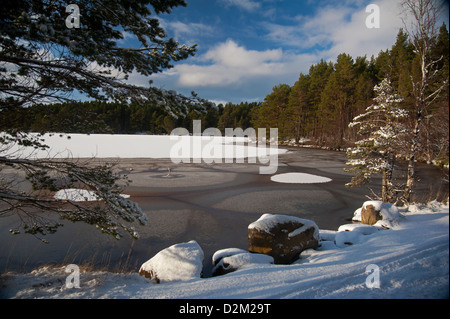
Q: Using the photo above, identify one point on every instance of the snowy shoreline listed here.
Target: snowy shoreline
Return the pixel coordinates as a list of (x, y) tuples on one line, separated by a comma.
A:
[(412, 258)]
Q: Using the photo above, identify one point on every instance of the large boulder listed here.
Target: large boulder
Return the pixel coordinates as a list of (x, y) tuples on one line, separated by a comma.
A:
[(282, 237), (181, 262)]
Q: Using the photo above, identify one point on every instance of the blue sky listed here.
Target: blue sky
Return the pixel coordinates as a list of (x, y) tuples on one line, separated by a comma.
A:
[(246, 47)]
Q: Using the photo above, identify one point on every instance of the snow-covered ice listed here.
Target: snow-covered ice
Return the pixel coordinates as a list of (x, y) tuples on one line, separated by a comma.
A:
[(142, 146), (412, 257), (299, 178)]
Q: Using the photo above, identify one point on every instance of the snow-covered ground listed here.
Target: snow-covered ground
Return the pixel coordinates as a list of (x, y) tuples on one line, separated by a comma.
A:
[(411, 260)]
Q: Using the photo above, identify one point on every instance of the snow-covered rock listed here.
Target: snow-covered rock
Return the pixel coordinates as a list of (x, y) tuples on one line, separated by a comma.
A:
[(351, 234), (357, 215), (181, 262), (363, 229), (347, 238), (220, 254), (380, 214), (231, 259), (282, 237), (327, 235)]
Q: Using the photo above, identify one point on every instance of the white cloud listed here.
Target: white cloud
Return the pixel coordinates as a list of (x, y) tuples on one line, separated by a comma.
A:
[(248, 5), (356, 39), (229, 70), (126, 37), (232, 55), (338, 29), (229, 64), (183, 30)]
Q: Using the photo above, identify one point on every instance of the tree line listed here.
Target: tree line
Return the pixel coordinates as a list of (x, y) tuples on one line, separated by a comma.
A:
[(97, 117), (321, 104)]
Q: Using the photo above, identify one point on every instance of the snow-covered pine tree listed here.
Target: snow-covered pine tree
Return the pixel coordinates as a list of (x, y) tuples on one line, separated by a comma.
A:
[(381, 130), (43, 60)]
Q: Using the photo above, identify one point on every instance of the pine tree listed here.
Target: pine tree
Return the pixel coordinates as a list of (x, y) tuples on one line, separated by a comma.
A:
[(381, 130), (297, 113), (319, 76), (271, 113), (50, 61), (338, 101), (42, 60)]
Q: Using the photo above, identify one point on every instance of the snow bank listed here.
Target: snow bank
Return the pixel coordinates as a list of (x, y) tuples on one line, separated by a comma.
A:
[(79, 195), (412, 258), (299, 178)]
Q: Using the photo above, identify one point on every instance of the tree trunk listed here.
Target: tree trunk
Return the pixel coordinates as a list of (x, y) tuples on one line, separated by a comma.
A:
[(412, 159), (420, 107), (384, 188), (386, 184)]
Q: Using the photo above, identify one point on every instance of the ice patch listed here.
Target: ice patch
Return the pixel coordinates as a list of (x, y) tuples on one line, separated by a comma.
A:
[(299, 178)]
